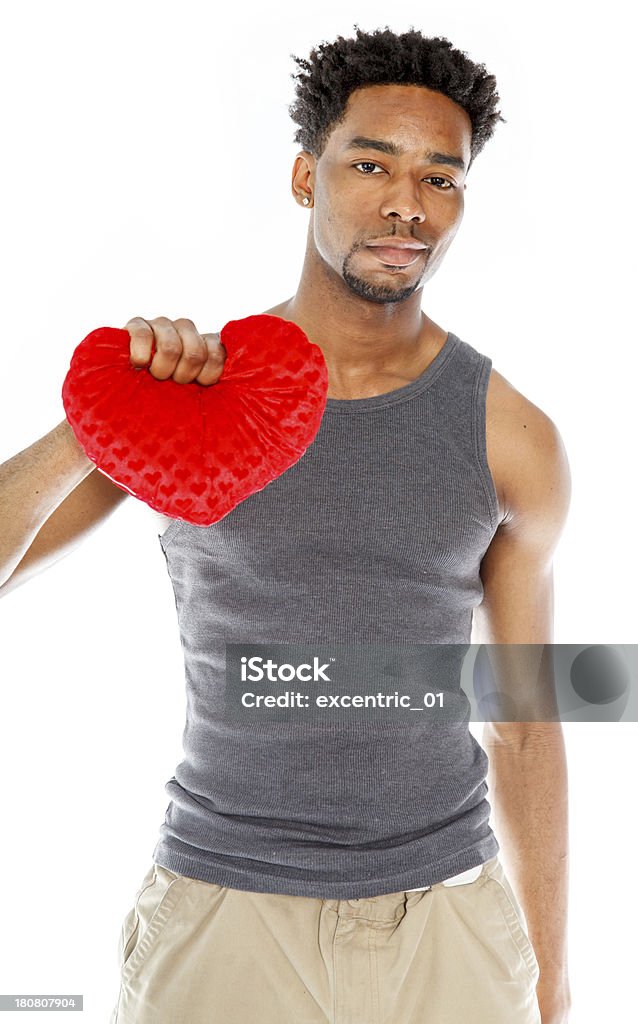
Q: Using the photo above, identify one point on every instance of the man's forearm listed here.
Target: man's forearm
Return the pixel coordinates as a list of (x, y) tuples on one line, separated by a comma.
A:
[(32, 485), (527, 781)]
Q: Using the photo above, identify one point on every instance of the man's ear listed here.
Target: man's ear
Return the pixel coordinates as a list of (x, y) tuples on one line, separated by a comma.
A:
[(302, 171)]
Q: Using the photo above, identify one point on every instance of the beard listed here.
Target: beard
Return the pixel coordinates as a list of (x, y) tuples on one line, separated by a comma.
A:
[(381, 293)]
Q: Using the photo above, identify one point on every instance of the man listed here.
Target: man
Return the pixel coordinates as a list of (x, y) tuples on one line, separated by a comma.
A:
[(349, 873)]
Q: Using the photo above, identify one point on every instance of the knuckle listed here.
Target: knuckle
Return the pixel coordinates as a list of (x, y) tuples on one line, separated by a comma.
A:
[(216, 351), (170, 347), (193, 357), (138, 326)]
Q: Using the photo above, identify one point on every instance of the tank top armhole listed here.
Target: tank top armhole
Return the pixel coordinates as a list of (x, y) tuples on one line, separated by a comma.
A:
[(170, 533), (480, 439)]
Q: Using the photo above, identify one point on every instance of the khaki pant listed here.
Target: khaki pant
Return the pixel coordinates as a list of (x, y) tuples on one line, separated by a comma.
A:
[(192, 952)]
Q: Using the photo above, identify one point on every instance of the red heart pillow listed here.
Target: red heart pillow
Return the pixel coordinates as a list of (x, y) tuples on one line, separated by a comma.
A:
[(194, 451)]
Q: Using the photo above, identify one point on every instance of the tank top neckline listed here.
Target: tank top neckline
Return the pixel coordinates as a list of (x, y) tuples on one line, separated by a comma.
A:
[(415, 387)]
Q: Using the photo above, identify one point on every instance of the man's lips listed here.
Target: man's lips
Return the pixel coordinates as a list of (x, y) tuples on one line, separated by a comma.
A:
[(396, 257)]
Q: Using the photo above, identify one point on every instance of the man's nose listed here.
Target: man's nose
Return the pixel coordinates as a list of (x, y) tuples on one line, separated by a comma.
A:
[(404, 201)]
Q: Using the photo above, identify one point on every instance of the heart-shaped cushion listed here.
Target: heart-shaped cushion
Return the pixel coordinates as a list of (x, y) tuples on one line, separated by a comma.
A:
[(194, 451)]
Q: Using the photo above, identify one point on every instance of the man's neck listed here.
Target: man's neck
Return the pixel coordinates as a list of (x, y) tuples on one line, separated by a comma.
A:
[(369, 347)]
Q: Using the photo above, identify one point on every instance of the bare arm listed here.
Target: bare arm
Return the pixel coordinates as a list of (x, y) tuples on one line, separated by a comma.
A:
[(51, 496), (527, 776)]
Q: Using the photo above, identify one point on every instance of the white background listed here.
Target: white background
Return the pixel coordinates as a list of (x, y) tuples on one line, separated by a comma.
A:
[(146, 171)]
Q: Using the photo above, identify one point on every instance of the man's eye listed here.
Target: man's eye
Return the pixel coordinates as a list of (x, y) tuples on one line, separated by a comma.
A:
[(444, 185), (448, 184), (365, 163)]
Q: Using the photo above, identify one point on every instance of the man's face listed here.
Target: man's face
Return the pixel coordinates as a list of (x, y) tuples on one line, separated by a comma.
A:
[(363, 193)]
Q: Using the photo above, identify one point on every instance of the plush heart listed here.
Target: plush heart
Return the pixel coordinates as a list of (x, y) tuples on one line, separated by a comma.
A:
[(193, 451)]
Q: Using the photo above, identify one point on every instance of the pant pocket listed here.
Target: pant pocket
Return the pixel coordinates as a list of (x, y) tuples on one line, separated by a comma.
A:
[(497, 883), (158, 895)]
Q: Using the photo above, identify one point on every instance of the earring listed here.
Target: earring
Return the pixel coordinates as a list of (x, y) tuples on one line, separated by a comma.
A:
[(305, 200)]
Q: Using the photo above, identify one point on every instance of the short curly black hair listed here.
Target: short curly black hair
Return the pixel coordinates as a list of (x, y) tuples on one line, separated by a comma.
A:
[(382, 57)]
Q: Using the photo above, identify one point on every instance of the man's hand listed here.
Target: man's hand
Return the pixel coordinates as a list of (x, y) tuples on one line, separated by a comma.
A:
[(181, 352)]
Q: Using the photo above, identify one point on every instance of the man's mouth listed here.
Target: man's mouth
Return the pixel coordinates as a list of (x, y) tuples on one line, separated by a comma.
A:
[(402, 257)]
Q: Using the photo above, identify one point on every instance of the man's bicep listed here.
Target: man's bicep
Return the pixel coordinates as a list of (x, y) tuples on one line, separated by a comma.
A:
[(516, 571), (515, 618)]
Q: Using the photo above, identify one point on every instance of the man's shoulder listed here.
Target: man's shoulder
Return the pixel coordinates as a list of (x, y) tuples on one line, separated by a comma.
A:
[(527, 449), (510, 410)]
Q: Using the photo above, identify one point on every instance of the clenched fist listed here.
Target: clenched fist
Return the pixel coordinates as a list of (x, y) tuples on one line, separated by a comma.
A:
[(180, 351)]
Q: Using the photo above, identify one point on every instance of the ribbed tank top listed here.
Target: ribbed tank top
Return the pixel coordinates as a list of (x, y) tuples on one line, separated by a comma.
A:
[(374, 536)]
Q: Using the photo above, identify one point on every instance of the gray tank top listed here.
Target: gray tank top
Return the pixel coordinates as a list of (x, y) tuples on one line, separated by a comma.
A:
[(375, 536)]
